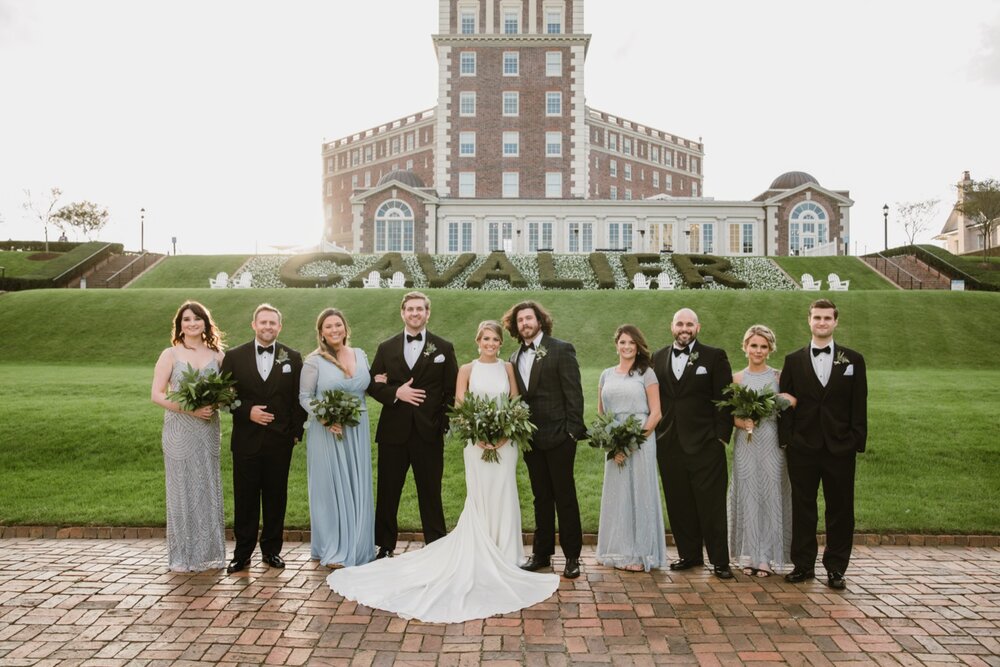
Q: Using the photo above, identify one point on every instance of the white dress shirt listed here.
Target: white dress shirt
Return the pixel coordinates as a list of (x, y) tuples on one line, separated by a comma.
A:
[(822, 362), (527, 359), (265, 361), (678, 362), (412, 349)]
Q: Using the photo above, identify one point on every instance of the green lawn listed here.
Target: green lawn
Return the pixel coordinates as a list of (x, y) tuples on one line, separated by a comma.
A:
[(862, 277), (971, 264), (16, 263), (189, 270)]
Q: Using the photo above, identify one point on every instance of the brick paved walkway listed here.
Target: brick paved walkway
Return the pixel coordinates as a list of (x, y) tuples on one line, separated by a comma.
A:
[(112, 602)]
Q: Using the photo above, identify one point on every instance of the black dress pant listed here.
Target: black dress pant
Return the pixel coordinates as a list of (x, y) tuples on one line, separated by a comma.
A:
[(260, 482), (427, 460), (806, 470), (554, 489), (695, 490)]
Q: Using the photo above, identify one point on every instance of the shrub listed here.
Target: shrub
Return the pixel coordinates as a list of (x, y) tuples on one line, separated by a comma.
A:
[(602, 269), (647, 264), (547, 274), (497, 267), (694, 268), (435, 279), (388, 264), (290, 275)]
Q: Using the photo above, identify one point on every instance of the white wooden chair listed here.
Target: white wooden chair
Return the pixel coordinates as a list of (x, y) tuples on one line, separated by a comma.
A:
[(398, 280), (244, 281), (809, 284), (664, 282), (220, 281), (835, 284), (640, 281), (373, 281)]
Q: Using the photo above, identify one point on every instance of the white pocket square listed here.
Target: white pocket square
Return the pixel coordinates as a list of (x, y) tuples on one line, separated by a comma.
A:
[(849, 370), (287, 368), (439, 359), (701, 370)]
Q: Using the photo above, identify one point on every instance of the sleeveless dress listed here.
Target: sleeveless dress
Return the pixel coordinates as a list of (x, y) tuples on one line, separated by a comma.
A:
[(631, 530), (473, 571), (760, 495), (196, 524), (341, 505)]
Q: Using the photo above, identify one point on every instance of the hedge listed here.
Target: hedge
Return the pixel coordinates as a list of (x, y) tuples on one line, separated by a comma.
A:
[(497, 267), (694, 268), (289, 272)]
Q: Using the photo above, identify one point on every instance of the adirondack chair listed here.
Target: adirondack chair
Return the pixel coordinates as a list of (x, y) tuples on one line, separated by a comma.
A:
[(664, 282), (640, 281), (245, 281), (398, 280), (835, 284), (220, 281), (809, 284), (373, 281)]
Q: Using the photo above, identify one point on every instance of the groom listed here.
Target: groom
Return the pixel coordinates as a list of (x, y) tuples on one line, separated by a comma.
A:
[(823, 434), (266, 425), (421, 372), (548, 377)]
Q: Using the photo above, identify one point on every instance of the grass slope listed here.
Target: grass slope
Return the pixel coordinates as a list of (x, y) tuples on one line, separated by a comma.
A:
[(988, 272), (189, 270), (16, 263), (862, 277)]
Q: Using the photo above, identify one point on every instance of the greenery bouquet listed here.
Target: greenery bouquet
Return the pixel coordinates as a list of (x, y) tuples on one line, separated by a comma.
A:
[(747, 403), (196, 389), (493, 421), (616, 437), (336, 406)]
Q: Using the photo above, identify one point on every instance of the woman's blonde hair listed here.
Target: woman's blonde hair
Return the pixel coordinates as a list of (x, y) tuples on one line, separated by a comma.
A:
[(762, 331)]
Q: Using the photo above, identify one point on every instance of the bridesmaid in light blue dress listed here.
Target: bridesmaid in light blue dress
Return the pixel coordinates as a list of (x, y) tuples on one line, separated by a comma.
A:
[(341, 505)]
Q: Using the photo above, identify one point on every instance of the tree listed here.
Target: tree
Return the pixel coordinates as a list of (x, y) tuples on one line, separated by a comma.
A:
[(41, 211), (85, 216), (916, 216), (980, 205)]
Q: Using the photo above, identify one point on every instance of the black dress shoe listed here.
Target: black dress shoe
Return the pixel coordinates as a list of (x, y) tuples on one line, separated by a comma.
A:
[(273, 560), (536, 562), (799, 574), (236, 565), (835, 580), (384, 553), (686, 564), (722, 572), (572, 569)]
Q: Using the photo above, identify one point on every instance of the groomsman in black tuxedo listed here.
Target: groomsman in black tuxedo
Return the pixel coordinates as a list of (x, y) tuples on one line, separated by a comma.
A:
[(823, 435), (266, 425), (691, 444), (548, 379), (421, 372)]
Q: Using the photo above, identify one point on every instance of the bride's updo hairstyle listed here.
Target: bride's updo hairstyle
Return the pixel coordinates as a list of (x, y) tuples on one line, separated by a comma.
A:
[(211, 335), (763, 332), (489, 325)]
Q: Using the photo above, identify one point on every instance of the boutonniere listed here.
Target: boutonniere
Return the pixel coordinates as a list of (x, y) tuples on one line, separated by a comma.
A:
[(281, 357), (693, 357), (540, 353), (841, 359), (429, 349)]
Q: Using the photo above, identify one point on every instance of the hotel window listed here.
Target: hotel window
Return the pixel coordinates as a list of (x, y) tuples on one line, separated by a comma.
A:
[(511, 22), (409, 164), (668, 158), (329, 188), (553, 63), (394, 227), (620, 236), (511, 63), (628, 193), (368, 179), (539, 236), (693, 163), (654, 153), (628, 172), (511, 102), (511, 144), (741, 238), (553, 185), (613, 193), (467, 63), (707, 237), (329, 165), (668, 182), (807, 226), (511, 184), (581, 237), (355, 157), (466, 184), (467, 104), (553, 104), (553, 21), (612, 142), (613, 167), (694, 188), (460, 236), (656, 179), (409, 141), (661, 236), (627, 146), (369, 153), (498, 233), (354, 181), (394, 146), (468, 21), (553, 144), (466, 143)]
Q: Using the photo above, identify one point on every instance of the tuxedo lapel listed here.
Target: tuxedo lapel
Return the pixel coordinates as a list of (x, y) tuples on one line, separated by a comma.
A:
[(536, 366)]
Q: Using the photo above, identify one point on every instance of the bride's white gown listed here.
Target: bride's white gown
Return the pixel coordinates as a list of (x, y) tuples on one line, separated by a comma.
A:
[(473, 571)]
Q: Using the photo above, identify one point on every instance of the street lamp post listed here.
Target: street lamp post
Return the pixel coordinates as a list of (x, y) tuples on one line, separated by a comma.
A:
[(142, 230), (885, 222)]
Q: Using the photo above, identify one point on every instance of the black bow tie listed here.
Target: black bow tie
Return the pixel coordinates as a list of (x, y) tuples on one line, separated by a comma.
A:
[(527, 346), (678, 351), (410, 339), (269, 349), (821, 350)]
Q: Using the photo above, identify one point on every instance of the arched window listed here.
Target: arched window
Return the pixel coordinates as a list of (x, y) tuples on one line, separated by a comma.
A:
[(807, 227), (394, 227)]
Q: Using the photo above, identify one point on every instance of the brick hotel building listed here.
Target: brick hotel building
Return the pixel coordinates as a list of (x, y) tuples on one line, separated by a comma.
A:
[(511, 158)]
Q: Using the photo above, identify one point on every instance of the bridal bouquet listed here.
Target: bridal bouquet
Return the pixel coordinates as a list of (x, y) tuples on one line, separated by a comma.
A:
[(616, 437), (196, 389), (747, 403), (336, 406), (481, 419)]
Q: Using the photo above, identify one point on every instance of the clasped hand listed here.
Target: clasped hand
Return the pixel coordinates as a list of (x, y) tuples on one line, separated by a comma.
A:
[(204, 412), (409, 394), (486, 445), (258, 415)]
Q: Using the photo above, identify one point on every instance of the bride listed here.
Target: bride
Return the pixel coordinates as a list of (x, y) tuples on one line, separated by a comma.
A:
[(472, 572)]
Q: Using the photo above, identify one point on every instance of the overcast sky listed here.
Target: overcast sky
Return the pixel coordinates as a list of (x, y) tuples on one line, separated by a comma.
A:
[(210, 114)]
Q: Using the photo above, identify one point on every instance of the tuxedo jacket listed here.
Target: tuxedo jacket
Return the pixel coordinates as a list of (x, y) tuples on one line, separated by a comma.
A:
[(687, 404), (834, 417), (554, 393), (435, 372), (280, 393)]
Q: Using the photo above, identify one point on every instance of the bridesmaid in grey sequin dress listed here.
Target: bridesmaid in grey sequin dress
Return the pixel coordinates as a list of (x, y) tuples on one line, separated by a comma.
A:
[(760, 496), (630, 534), (191, 444)]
